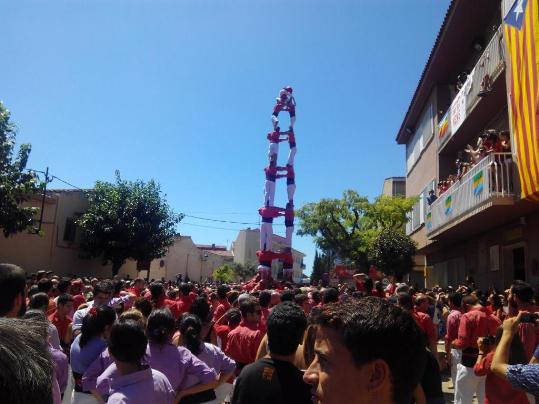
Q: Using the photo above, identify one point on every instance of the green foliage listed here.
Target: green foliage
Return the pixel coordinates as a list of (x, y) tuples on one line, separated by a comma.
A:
[(244, 271), (349, 226), (393, 253), (127, 220), (224, 273), (322, 263), (16, 184)]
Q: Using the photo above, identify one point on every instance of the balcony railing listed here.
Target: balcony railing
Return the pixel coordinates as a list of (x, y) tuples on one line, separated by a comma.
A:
[(489, 181), (483, 75)]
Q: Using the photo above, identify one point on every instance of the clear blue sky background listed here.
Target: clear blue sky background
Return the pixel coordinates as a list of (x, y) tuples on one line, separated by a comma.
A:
[(182, 92)]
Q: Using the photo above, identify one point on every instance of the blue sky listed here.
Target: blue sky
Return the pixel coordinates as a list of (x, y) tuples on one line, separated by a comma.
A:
[(182, 92)]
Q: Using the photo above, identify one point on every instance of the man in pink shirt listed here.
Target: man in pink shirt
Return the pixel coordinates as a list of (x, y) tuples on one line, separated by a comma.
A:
[(475, 323), (452, 333)]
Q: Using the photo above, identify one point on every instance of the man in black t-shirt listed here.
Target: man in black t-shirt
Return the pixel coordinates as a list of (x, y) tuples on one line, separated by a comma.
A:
[(274, 379)]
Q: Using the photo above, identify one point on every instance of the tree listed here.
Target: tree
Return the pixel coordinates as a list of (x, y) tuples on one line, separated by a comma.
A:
[(225, 273), (127, 220), (348, 226), (16, 184), (323, 263), (393, 253), (244, 271), (338, 225)]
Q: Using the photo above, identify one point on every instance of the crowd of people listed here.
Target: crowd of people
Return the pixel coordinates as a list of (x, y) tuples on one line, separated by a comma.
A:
[(490, 141), (133, 341)]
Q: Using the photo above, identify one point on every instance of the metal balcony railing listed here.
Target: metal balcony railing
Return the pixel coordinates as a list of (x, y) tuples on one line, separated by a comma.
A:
[(486, 71), (490, 179)]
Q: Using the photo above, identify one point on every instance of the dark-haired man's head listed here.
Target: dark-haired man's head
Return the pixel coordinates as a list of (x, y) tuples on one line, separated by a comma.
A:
[(103, 292), (367, 350), (45, 285), (422, 303), (222, 291), (455, 300), (39, 301), (64, 305), (185, 288), (127, 342), (234, 317), (157, 290), (405, 301), (286, 326), (250, 310), (287, 296), (26, 368), (12, 290), (330, 295), (264, 298), (522, 293), (468, 302)]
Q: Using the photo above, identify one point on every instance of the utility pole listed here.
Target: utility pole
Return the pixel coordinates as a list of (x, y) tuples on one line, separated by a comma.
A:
[(47, 180)]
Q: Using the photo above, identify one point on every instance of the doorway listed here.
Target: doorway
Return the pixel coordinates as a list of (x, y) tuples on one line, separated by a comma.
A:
[(514, 263)]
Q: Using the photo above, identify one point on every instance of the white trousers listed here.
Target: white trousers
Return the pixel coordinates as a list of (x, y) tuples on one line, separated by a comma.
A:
[(291, 189), (289, 233), (269, 193), (221, 393), (273, 149), (266, 233), (456, 357), (291, 156), (467, 384)]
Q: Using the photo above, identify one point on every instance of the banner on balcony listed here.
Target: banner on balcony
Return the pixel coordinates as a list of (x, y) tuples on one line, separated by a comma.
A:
[(478, 181), (428, 221), (457, 111), (443, 127), (521, 33), (448, 204)]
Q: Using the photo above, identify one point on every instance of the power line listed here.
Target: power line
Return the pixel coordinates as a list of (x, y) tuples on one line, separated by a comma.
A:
[(54, 177), (220, 221)]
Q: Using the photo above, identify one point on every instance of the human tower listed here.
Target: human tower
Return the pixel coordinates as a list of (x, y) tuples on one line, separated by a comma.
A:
[(269, 212)]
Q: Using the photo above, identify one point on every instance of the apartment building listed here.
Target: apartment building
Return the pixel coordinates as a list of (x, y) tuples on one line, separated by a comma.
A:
[(480, 226), (394, 186), (247, 243)]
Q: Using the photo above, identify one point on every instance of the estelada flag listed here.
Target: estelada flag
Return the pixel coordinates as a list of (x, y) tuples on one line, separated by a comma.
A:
[(521, 32)]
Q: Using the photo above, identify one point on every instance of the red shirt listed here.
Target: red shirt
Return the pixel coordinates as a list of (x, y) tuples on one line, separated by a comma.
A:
[(221, 309), (424, 322), (270, 212), (497, 389), (474, 324), (61, 325), (77, 301), (360, 286), (264, 318), (452, 327), (243, 343), (136, 292), (183, 304)]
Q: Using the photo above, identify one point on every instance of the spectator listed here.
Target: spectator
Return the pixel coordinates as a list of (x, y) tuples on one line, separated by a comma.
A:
[(521, 299), (138, 288), (202, 309), (497, 389), (522, 377), (40, 301), (211, 355), (264, 299), (135, 383), (185, 300), (89, 344), (275, 379), (233, 317), (45, 285), (61, 320), (453, 355), (475, 323), (432, 197), (244, 340), (357, 356), (102, 294), (330, 295), (223, 305), (23, 356), (12, 291)]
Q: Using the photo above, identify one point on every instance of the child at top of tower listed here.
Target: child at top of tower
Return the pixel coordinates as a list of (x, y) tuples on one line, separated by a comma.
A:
[(285, 102)]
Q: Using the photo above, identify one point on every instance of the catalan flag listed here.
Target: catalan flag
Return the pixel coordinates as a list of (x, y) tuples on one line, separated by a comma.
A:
[(478, 183), (448, 203), (521, 32)]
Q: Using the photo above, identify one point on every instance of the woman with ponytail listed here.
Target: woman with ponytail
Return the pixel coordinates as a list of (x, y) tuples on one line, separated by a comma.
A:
[(211, 355), (87, 346), (187, 374)]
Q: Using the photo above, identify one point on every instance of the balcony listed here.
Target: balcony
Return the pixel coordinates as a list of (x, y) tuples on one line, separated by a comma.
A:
[(480, 84), (489, 183)]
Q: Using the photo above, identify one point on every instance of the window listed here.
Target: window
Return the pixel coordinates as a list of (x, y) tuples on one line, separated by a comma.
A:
[(421, 137)]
